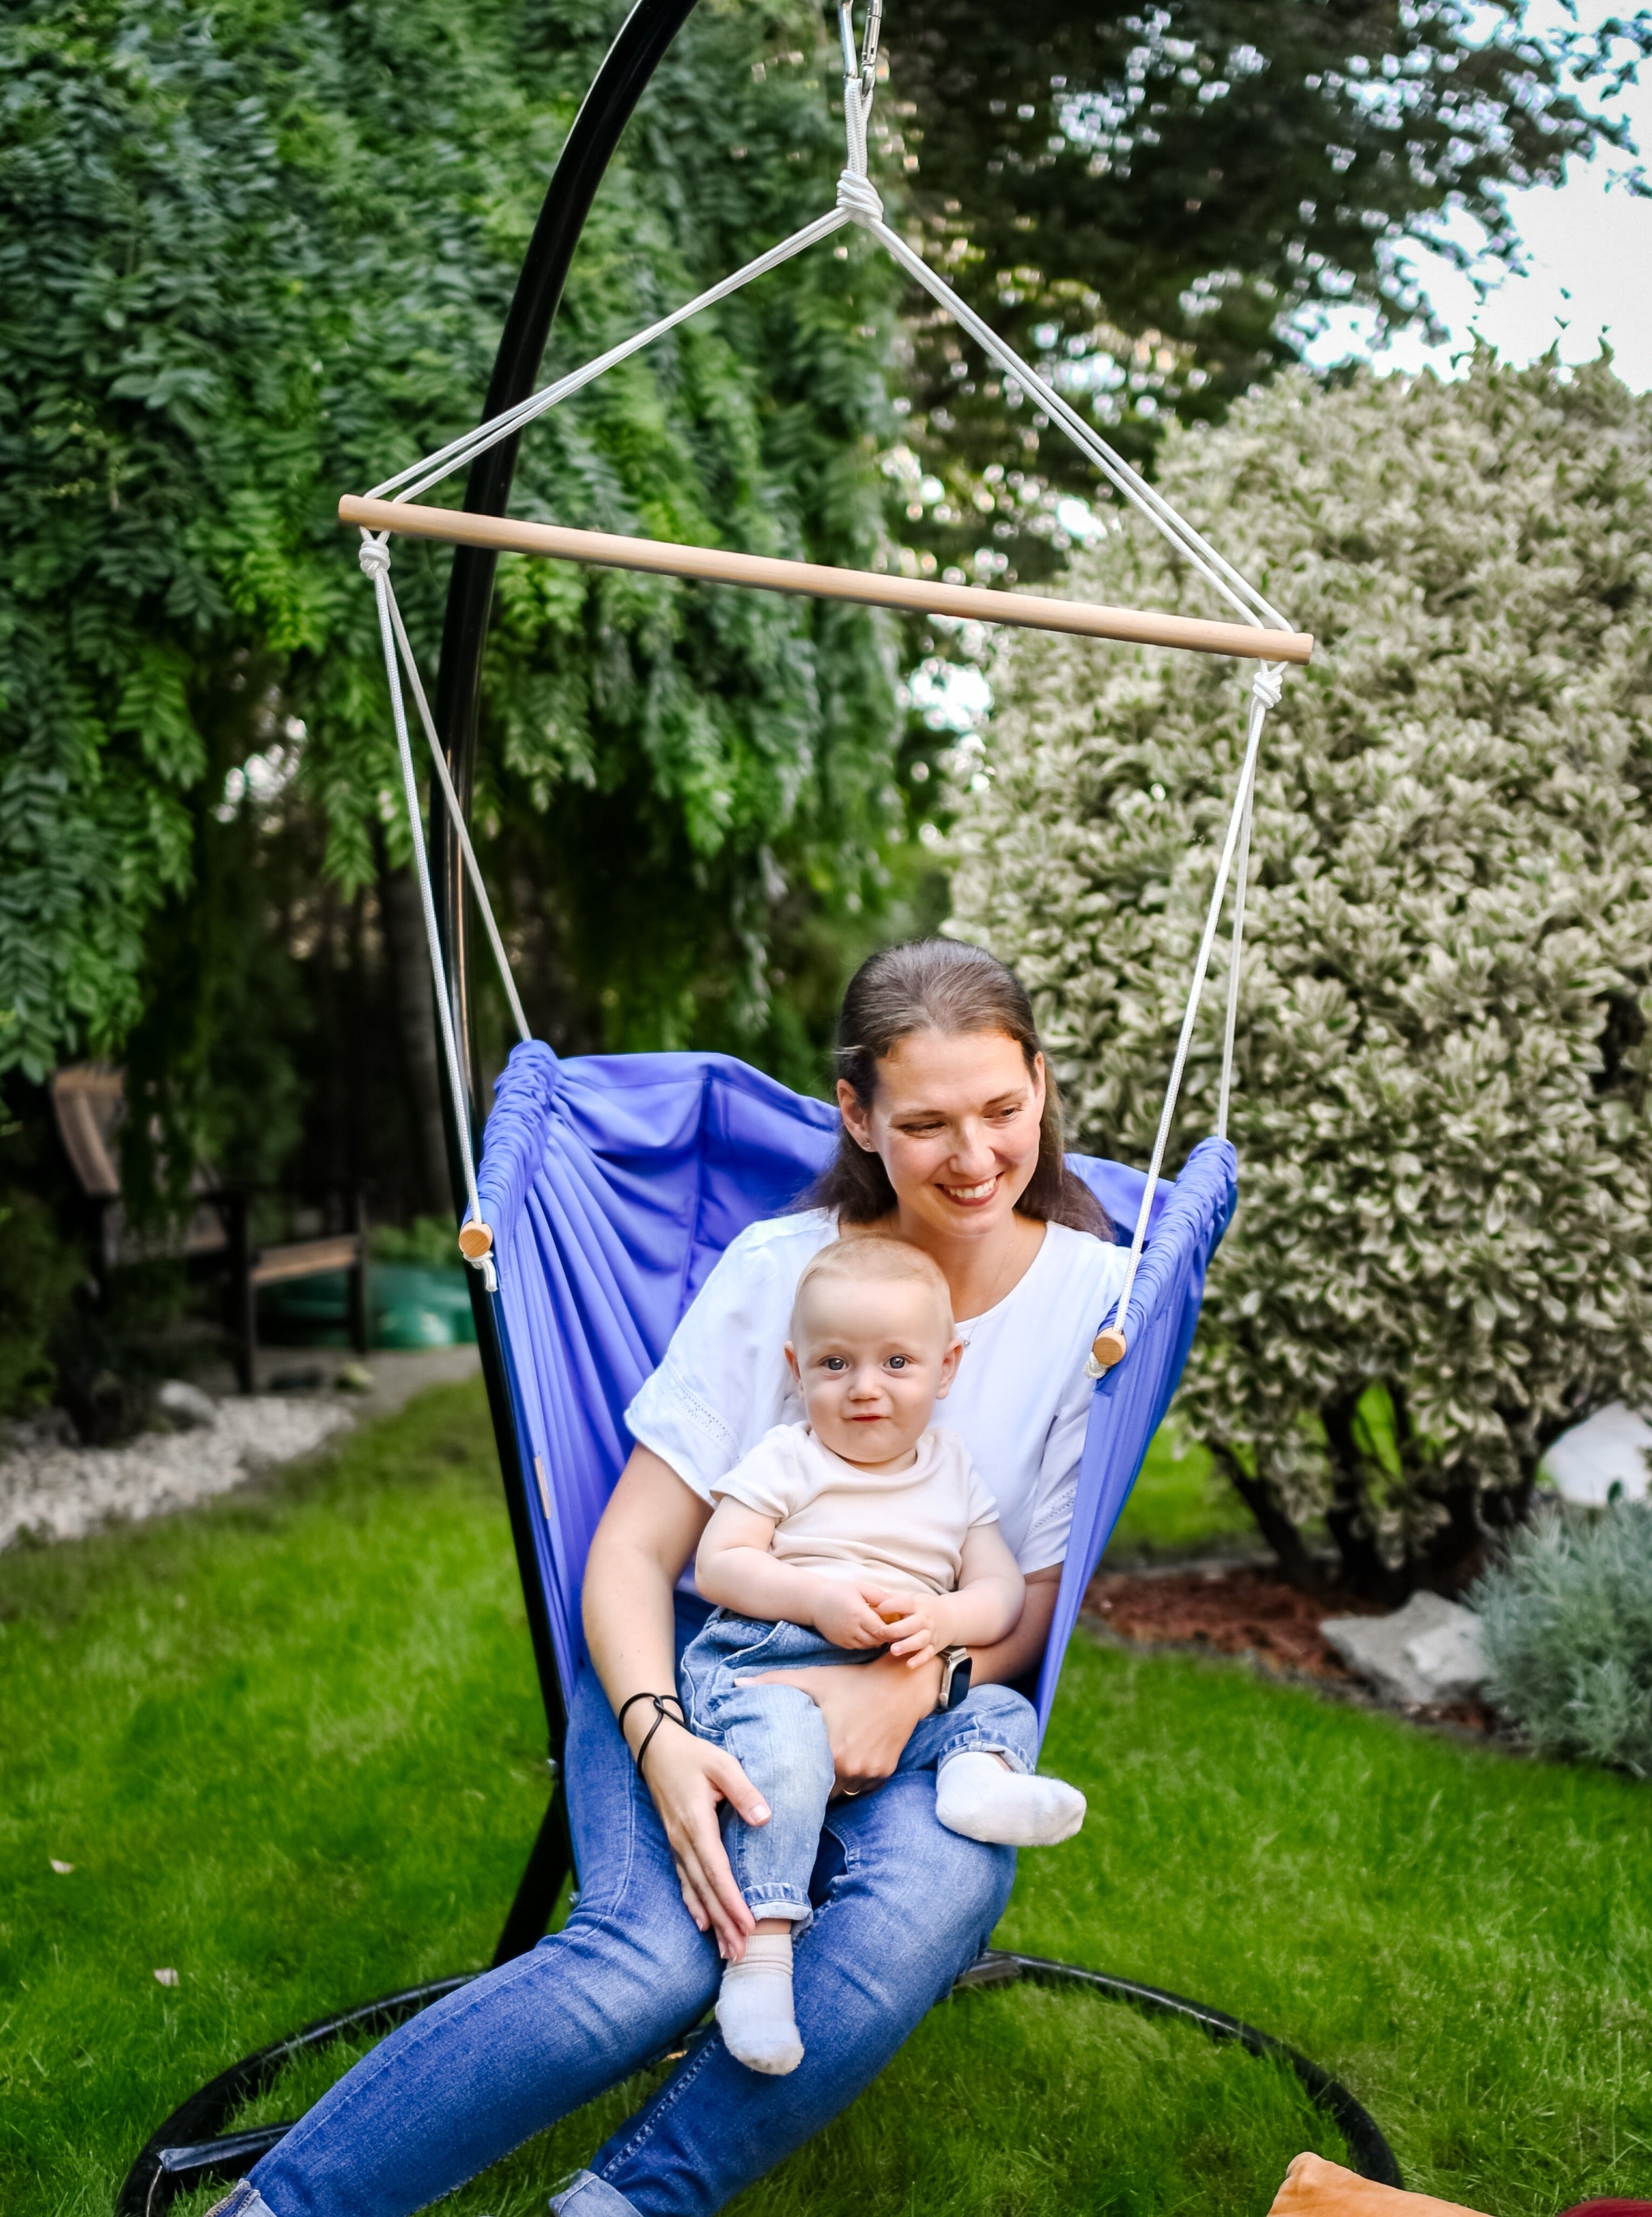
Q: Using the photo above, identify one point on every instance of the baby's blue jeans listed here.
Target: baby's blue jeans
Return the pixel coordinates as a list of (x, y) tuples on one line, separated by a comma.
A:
[(778, 1736)]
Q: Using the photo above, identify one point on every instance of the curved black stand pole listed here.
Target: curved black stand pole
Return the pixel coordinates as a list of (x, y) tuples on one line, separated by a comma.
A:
[(192, 2147)]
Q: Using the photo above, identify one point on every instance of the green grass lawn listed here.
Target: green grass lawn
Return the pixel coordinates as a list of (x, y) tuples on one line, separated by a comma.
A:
[(291, 1745)]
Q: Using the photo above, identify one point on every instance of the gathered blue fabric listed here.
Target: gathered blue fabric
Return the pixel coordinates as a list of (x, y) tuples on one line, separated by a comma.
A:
[(613, 1183)]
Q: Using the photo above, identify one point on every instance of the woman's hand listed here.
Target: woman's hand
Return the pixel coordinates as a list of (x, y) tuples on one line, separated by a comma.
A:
[(870, 1709), (647, 1533), (687, 1777)]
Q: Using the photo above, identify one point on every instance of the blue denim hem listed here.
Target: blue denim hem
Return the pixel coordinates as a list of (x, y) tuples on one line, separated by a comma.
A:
[(774, 1898), (979, 1742), (246, 2201), (588, 2195)]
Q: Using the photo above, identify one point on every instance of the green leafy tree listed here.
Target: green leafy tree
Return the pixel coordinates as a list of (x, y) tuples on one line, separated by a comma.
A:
[(1155, 203), (1443, 1254), (259, 255)]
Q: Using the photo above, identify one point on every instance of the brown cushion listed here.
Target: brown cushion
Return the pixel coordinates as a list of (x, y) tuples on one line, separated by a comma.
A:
[(1314, 2188)]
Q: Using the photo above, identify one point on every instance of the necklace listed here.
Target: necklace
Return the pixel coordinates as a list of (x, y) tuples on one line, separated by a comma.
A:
[(999, 1287)]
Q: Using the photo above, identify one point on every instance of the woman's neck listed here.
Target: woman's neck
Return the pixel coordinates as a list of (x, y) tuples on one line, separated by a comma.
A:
[(979, 1271)]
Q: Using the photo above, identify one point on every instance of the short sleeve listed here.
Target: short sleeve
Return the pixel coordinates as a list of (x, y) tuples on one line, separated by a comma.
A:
[(1046, 1543), (981, 1508), (979, 1505), (724, 1382), (772, 1479)]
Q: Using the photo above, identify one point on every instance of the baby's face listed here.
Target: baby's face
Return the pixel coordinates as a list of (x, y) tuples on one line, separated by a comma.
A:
[(873, 1358)]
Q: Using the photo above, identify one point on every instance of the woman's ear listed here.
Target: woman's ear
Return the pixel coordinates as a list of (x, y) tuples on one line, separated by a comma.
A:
[(949, 1364), (856, 1120), (1039, 1087)]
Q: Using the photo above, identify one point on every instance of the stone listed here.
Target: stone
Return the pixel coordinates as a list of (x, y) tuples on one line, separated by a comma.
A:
[(185, 1407), (1606, 1449), (1426, 1653)]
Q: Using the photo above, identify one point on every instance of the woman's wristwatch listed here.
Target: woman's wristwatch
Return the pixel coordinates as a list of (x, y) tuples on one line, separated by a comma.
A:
[(954, 1679)]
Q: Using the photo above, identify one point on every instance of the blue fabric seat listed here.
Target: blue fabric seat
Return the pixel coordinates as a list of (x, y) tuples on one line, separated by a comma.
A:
[(613, 1183)]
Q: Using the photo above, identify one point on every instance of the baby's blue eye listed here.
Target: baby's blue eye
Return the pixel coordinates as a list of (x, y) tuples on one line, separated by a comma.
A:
[(834, 1362), (898, 1361)]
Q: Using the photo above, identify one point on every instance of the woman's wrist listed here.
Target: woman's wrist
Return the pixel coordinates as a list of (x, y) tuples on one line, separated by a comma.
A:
[(643, 1714)]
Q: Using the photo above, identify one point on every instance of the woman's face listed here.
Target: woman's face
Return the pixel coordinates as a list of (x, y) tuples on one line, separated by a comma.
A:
[(956, 1121)]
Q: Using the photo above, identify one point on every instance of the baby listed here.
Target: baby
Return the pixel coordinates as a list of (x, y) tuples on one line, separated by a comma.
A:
[(863, 1530)]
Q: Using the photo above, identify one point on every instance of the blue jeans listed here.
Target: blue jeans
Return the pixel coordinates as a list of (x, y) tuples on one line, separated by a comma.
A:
[(778, 1736), (901, 1905)]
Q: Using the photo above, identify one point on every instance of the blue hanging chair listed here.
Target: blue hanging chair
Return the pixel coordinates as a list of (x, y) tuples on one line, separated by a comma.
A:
[(611, 1184)]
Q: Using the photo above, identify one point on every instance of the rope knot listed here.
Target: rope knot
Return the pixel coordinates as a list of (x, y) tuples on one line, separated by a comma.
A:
[(1267, 686), (375, 557), (858, 197)]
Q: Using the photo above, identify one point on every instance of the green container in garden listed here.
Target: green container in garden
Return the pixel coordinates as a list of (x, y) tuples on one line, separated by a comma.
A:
[(413, 1305)]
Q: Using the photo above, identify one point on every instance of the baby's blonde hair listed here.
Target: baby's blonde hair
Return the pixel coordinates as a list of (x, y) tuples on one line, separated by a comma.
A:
[(875, 1260)]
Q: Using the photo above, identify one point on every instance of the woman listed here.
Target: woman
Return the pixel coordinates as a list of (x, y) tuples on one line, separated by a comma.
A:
[(951, 1139)]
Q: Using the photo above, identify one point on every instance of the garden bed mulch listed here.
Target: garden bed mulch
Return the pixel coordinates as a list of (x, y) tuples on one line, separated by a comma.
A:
[(1249, 1610)]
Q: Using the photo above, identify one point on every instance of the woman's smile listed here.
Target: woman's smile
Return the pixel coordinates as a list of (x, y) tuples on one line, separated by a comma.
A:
[(971, 1196)]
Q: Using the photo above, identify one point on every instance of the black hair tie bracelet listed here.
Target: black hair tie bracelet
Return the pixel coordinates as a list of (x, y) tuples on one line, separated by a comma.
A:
[(661, 1716)]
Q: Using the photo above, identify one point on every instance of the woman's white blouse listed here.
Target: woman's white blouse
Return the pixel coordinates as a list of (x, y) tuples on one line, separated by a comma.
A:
[(1020, 1400)]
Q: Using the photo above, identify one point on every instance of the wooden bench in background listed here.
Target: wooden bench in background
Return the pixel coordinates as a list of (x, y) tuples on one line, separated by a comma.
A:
[(88, 1104)]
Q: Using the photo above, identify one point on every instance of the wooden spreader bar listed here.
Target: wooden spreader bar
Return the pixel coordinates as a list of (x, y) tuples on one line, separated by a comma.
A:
[(720, 567)]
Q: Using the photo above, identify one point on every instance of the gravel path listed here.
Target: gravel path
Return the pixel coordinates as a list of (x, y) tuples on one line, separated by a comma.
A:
[(58, 1492)]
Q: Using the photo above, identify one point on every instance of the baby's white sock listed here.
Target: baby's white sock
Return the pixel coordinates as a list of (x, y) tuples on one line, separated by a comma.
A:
[(753, 2007), (975, 1794)]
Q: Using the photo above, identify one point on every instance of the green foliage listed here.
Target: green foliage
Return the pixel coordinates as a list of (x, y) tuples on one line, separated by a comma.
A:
[(38, 1273), (428, 1242), (1566, 1617), (1156, 205), (1179, 1505), (1440, 1109), (259, 256)]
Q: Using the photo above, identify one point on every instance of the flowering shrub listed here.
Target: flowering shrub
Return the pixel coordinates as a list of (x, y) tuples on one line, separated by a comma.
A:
[(1441, 1253), (1566, 1620)]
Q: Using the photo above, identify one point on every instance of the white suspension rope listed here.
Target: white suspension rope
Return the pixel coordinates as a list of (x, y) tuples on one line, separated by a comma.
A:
[(1236, 952), (456, 818), (1266, 689), (375, 562), (1169, 523), (459, 453), (858, 203)]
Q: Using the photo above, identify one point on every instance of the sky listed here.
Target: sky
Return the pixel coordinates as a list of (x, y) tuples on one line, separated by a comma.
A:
[(1587, 255)]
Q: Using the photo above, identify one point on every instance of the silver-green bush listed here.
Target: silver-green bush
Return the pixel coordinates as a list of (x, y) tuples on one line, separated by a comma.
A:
[(1443, 1255), (1566, 1619)]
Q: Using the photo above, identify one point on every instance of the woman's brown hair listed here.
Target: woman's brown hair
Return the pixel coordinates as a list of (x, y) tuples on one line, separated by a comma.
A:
[(943, 985)]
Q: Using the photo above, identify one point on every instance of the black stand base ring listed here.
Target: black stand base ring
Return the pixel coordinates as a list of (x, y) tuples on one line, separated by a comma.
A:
[(190, 2149)]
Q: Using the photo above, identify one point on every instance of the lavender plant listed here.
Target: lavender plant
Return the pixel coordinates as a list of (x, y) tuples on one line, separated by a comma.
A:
[(1566, 1619)]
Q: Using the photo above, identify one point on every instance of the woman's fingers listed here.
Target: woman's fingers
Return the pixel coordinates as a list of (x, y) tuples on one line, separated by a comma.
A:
[(735, 1787), (687, 1777)]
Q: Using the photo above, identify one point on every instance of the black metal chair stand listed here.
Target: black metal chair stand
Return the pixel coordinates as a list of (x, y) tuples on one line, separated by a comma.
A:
[(192, 2147)]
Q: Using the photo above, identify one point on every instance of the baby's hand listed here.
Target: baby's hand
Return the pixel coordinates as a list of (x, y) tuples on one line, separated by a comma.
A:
[(915, 1624), (844, 1615)]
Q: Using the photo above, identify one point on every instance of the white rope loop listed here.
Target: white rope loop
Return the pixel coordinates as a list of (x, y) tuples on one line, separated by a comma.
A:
[(375, 562)]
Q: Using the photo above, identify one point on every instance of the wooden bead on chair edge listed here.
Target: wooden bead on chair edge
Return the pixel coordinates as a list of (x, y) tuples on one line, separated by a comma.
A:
[(1108, 1347)]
